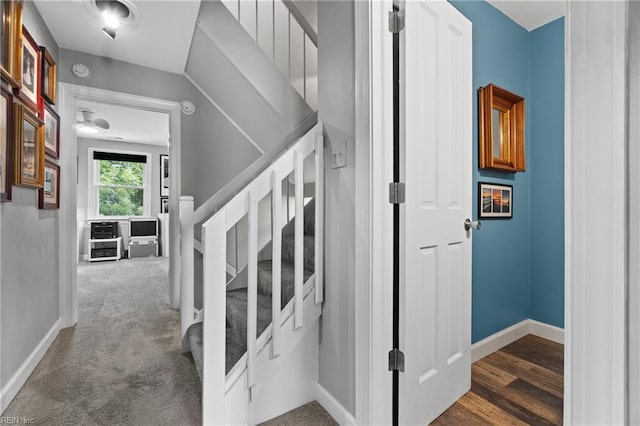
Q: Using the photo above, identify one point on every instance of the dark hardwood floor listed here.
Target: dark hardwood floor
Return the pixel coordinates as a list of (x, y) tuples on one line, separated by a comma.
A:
[(520, 384)]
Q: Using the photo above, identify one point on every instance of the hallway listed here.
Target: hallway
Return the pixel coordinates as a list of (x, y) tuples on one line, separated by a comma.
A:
[(121, 364)]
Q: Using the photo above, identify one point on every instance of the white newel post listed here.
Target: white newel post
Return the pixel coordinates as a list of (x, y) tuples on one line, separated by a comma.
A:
[(186, 268), (214, 240)]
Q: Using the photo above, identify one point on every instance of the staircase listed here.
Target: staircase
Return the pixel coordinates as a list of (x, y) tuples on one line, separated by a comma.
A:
[(255, 345), (236, 300)]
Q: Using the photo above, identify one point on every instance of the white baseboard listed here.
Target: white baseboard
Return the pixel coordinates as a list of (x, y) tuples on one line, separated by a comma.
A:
[(517, 331), (333, 407), (499, 340), (15, 383), (546, 331)]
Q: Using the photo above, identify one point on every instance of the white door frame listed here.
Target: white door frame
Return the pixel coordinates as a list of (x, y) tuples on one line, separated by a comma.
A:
[(596, 251), (374, 214), (68, 245), (595, 403)]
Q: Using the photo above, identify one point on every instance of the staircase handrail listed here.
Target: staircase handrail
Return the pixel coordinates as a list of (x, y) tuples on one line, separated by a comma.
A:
[(302, 21), (227, 192)]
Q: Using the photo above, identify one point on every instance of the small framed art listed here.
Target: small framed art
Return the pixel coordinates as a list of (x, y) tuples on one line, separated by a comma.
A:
[(49, 76), (29, 90), (28, 132), (164, 175), (495, 201), (49, 195), (51, 132), (164, 205), (6, 145)]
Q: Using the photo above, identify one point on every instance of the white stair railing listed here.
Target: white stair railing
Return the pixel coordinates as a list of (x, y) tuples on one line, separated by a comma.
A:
[(286, 37), (214, 250)]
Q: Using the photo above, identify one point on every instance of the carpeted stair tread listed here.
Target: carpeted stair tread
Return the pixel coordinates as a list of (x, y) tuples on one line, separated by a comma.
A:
[(194, 333), (287, 286), (289, 250), (234, 351), (237, 314)]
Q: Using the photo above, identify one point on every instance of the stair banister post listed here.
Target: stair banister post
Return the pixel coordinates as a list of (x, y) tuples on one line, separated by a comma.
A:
[(252, 290), (186, 269), (214, 240), (319, 220), (299, 240), (276, 262)]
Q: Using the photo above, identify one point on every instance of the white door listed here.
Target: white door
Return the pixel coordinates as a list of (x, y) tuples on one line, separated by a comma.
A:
[(436, 145)]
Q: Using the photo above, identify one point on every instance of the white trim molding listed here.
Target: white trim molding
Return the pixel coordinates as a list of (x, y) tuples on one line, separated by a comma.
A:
[(68, 245), (15, 383), (502, 338), (333, 407), (374, 214), (596, 217)]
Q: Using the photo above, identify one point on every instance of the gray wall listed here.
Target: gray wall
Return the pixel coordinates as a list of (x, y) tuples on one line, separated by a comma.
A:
[(83, 177), (29, 294), (213, 151), (336, 108)]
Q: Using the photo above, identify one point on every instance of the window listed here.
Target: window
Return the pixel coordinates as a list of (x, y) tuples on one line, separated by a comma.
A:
[(120, 184)]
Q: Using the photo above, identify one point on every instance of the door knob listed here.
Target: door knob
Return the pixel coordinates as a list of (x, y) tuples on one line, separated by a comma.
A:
[(468, 224)]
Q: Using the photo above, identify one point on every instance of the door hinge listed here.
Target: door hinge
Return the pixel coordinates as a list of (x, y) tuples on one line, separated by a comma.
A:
[(396, 193), (396, 360), (396, 21)]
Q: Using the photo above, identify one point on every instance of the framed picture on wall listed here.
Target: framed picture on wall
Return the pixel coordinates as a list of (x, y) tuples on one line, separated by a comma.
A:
[(49, 76), (164, 175), (495, 201), (28, 132), (49, 195), (6, 145), (51, 132), (11, 11), (29, 90)]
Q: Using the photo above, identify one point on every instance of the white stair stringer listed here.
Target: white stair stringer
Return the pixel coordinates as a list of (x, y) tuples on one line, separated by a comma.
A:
[(231, 69), (284, 382), (238, 47)]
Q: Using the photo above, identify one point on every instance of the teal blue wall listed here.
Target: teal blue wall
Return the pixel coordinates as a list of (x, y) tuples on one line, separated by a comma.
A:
[(504, 284), (546, 165)]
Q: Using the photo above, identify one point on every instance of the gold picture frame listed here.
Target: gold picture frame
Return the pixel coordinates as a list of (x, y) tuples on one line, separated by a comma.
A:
[(28, 147), (501, 128), (10, 57)]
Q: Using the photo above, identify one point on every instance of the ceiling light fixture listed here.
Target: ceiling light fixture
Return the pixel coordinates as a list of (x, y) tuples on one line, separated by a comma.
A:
[(113, 12), (87, 129)]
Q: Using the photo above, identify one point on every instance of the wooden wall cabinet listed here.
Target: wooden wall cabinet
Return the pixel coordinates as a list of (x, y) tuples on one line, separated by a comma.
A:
[(501, 124)]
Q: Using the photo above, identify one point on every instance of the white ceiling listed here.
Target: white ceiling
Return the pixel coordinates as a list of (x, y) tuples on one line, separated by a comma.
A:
[(160, 38), (530, 14), (127, 124)]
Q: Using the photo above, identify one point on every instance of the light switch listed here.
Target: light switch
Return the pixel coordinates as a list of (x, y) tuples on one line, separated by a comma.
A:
[(339, 155)]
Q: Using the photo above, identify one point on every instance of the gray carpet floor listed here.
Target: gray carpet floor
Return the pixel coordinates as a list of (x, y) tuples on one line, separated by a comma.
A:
[(309, 414), (121, 364)]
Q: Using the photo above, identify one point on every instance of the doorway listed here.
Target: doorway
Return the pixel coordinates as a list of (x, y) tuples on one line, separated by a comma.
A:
[(73, 99)]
